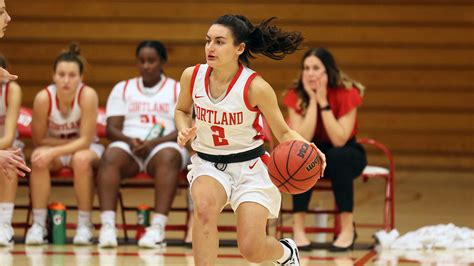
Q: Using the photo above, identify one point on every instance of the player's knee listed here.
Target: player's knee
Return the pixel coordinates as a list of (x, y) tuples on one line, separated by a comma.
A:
[(252, 250), (108, 160), (35, 164), (169, 158), (81, 161), (206, 211)]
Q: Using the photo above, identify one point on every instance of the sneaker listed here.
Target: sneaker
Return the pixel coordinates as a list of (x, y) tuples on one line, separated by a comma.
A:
[(83, 235), (294, 259), (36, 235), (153, 237), (6, 235), (108, 236)]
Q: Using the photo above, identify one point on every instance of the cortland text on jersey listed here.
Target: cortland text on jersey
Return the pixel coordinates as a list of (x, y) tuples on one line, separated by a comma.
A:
[(65, 126), (147, 107), (219, 118)]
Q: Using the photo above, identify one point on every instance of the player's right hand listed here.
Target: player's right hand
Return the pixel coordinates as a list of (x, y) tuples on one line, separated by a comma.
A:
[(185, 135), (11, 160)]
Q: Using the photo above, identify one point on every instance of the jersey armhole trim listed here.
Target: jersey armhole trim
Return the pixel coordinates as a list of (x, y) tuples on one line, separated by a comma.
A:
[(124, 89), (50, 101), (193, 78), (246, 93)]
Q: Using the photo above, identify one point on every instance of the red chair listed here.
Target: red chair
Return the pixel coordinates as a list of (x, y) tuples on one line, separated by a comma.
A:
[(370, 172)]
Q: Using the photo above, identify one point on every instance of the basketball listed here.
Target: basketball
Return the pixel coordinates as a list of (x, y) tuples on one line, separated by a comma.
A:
[(294, 167)]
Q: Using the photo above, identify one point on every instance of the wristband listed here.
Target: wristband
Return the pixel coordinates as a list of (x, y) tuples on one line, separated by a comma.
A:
[(326, 108)]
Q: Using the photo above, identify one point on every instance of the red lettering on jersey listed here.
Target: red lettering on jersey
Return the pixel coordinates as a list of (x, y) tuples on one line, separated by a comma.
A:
[(146, 107), (64, 127), (219, 118)]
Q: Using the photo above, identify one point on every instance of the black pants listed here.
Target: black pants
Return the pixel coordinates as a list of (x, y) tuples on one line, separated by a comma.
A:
[(344, 164)]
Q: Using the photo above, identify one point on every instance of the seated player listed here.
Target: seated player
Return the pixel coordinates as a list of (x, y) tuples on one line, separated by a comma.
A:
[(64, 124), (10, 146), (140, 125)]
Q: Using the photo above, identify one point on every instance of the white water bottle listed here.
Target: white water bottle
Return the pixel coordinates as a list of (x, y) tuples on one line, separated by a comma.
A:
[(320, 220)]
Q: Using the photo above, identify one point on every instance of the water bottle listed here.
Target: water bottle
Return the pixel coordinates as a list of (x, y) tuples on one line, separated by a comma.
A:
[(143, 220), (57, 223)]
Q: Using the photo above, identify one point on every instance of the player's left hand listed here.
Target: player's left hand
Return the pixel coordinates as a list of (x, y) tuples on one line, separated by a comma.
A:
[(323, 158), (142, 150)]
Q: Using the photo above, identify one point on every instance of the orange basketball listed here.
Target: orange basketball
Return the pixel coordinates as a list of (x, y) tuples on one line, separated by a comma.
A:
[(294, 166)]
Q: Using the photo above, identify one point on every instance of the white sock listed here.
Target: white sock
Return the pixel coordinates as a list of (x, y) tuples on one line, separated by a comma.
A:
[(39, 216), (6, 212), (159, 219), (108, 217), (286, 254), (83, 218)]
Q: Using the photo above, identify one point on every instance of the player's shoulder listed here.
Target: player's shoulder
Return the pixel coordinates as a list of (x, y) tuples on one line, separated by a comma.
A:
[(258, 84), (88, 92)]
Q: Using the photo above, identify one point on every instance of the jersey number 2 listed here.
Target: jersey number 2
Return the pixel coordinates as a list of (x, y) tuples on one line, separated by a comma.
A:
[(219, 136)]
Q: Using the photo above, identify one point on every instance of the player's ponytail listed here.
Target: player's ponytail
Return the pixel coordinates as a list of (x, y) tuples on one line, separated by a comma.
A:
[(264, 38)]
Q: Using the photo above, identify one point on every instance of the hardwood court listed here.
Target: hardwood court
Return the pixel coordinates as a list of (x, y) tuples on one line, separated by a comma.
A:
[(423, 198)]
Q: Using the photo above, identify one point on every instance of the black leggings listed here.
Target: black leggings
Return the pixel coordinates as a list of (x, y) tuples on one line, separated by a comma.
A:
[(344, 164)]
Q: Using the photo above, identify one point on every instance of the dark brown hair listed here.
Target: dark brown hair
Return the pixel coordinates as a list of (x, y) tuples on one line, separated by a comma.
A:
[(263, 38)]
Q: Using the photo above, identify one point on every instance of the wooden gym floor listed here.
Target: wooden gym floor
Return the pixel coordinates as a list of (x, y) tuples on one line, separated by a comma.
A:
[(422, 198)]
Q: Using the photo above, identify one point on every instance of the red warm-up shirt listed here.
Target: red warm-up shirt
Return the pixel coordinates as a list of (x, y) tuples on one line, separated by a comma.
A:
[(341, 100)]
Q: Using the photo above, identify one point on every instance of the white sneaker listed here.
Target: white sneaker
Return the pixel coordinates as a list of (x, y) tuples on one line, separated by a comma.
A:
[(294, 259), (83, 235), (6, 235), (36, 235), (153, 237), (108, 236)]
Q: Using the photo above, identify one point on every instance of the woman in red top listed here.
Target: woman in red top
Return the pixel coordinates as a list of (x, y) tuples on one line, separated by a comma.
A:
[(323, 109)]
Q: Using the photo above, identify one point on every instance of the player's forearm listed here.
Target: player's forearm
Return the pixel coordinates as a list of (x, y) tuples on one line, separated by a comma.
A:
[(170, 137), (78, 144), (182, 120), (114, 134), (48, 141)]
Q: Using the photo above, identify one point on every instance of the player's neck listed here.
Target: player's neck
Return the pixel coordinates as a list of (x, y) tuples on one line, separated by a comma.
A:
[(225, 74), (150, 83)]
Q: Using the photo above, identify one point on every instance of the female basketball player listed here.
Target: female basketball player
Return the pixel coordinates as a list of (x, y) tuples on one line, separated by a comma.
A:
[(64, 123), (140, 123), (228, 99), (10, 101), (323, 109), (4, 19)]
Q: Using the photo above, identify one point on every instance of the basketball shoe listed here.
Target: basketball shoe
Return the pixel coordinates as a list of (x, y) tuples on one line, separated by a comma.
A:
[(153, 237), (36, 235), (108, 236), (6, 235), (294, 259), (83, 235)]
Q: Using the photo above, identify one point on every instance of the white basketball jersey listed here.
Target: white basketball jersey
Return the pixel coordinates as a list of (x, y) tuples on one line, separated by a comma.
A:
[(230, 125), (149, 112), (3, 106), (60, 126)]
